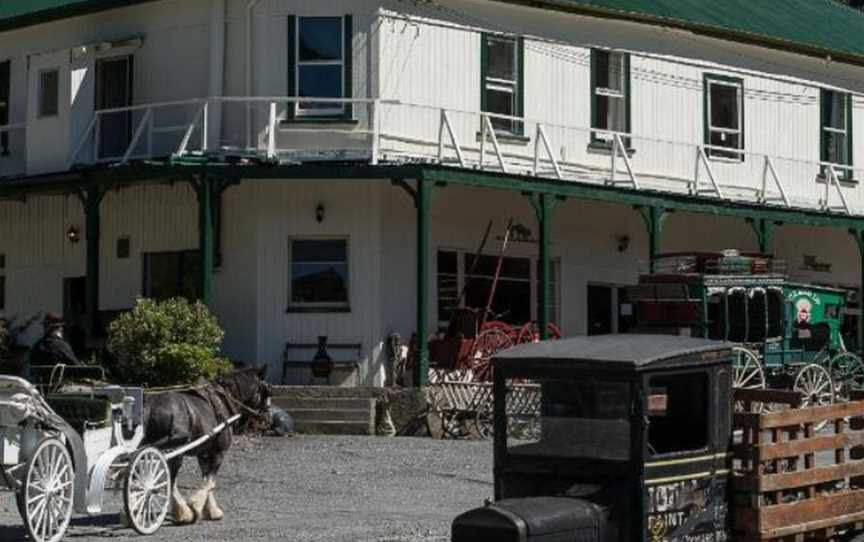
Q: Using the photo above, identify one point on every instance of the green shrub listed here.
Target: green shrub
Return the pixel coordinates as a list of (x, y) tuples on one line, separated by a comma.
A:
[(164, 343)]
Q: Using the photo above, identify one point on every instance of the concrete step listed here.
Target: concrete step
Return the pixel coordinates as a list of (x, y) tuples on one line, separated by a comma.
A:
[(326, 427), (333, 403), (329, 414)]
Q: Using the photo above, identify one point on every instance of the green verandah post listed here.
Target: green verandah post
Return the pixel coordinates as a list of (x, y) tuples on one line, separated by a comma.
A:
[(654, 218), (204, 188), (858, 234), (544, 206), (423, 203)]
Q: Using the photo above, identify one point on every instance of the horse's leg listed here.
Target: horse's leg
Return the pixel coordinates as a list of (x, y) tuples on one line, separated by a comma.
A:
[(209, 467), (199, 499), (183, 514)]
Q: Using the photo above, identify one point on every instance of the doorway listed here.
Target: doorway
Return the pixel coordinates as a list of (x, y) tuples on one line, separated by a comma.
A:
[(599, 310), (114, 90), (74, 311)]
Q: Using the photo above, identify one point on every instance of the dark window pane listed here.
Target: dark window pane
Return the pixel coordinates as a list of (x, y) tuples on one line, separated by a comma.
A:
[(501, 59), (320, 38), (49, 93), (319, 283), (172, 274), (447, 262), (2, 292), (835, 148), (683, 424), (834, 109), (602, 68), (724, 106), (516, 268), (328, 250), (5, 92), (320, 82)]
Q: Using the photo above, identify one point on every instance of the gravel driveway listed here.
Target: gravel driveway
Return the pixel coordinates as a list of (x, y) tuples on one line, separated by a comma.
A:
[(318, 488)]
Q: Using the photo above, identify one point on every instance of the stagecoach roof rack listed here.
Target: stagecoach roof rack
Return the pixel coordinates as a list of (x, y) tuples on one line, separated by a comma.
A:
[(627, 352)]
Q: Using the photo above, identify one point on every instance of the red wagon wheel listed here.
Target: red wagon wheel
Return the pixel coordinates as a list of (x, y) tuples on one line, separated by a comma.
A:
[(530, 333), (487, 343)]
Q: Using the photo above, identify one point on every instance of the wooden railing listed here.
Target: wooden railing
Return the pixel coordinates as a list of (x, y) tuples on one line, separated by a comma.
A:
[(791, 480)]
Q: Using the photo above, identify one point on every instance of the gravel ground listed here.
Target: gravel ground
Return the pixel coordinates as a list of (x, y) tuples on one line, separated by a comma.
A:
[(318, 488)]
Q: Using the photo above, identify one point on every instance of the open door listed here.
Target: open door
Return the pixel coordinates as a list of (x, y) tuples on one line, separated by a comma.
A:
[(48, 110), (114, 90)]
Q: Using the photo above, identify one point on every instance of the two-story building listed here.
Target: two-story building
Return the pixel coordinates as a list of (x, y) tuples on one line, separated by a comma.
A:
[(329, 167)]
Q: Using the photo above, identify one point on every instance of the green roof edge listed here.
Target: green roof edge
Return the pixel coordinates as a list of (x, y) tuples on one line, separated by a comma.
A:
[(82, 7)]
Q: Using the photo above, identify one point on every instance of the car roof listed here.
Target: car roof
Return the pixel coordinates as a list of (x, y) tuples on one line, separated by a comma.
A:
[(617, 352)]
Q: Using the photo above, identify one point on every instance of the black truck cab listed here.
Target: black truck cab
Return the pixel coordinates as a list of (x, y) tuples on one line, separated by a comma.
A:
[(629, 441)]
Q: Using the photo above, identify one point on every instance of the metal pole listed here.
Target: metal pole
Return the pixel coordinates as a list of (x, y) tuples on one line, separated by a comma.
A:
[(423, 203), (92, 199), (544, 266), (205, 231)]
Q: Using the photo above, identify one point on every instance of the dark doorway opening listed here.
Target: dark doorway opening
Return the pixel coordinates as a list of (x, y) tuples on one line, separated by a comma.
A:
[(599, 310), (74, 311), (114, 90)]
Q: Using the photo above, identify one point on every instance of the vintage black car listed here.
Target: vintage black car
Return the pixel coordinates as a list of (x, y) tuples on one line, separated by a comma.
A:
[(630, 442)]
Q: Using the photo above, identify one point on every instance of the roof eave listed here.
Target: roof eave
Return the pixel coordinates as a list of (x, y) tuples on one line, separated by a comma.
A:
[(66, 12), (705, 30)]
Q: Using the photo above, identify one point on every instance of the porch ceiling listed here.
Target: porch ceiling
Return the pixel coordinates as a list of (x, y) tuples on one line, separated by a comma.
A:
[(133, 173)]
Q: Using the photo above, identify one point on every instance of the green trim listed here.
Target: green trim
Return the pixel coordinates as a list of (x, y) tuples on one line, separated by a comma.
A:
[(23, 13), (205, 190), (596, 142), (764, 230), (706, 114), (655, 219), (348, 65), (850, 124), (424, 205), (292, 65), (544, 206)]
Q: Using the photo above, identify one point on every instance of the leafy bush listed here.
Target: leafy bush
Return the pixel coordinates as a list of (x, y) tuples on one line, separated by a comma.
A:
[(164, 343)]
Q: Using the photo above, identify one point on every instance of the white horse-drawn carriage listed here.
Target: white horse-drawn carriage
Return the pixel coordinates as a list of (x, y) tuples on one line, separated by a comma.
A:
[(60, 452)]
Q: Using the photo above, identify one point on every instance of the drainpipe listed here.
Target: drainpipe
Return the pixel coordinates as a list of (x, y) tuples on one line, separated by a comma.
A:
[(250, 7), (217, 70)]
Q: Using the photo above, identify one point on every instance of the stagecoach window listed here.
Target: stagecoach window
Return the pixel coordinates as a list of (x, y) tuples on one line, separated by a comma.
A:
[(5, 86), (320, 63), (757, 313), (319, 273), (836, 140), (584, 418), (775, 313), (501, 93), (682, 425), (736, 314), (724, 116), (716, 316), (172, 274), (610, 84)]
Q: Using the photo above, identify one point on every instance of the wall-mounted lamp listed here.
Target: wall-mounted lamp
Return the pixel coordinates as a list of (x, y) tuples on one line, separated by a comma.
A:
[(319, 213), (73, 235), (623, 242)]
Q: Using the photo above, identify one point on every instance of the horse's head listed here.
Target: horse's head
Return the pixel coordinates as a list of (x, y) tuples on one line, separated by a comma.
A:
[(249, 388)]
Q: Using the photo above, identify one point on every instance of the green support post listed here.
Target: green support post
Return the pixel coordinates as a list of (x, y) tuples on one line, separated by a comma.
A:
[(423, 203), (654, 218), (92, 198), (764, 230), (204, 188), (543, 205), (859, 240)]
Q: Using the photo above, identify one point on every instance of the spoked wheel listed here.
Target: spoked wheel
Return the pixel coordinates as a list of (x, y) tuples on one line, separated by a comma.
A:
[(487, 343), (847, 371), (530, 333), (455, 424), (147, 490), (484, 421), (814, 384), (749, 374), (46, 506)]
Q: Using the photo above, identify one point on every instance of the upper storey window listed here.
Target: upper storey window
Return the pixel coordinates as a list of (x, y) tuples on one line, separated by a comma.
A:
[(724, 117), (320, 53), (5, 85), (501, 63), (836, 132), (610, 94), (49, 93)]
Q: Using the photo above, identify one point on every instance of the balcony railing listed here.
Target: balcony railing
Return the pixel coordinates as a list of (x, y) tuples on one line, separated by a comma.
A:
[(376, 130)]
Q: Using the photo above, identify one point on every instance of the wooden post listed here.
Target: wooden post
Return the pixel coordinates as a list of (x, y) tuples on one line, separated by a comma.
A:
[(204, 188), (423, 203), (544, 205)]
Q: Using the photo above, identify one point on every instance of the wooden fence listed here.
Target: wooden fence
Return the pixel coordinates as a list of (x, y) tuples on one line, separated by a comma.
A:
[(793, 480)]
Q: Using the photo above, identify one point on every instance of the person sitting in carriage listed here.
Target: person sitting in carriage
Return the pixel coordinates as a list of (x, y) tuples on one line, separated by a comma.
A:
[(52, 348)]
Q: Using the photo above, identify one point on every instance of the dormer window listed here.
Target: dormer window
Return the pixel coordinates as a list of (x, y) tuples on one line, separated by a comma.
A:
[(320, 54)]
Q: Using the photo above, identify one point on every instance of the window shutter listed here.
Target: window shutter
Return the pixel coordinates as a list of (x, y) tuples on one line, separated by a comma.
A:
[(627, 125), (849, 146), (823, 149), (484, 63), (349, 65), (292, 64), (519, 127)]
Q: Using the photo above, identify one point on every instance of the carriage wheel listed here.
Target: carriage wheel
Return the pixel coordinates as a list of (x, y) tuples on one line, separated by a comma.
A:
[(147, 490), (484, 421), (487, 343), (454, 424), (847, 371), (530, 333), (814, 383), (46, 505), (748, 374)]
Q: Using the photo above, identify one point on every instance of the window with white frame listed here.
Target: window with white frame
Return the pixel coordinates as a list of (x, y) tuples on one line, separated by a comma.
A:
[(517, 296), (49, 93), (724, 117), (836, 131), (610, 86), (318, 274), (501, 63), (320, 63), (5, 87)]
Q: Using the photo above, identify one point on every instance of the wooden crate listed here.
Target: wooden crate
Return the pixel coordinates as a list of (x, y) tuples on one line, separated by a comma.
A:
[(790, 481)]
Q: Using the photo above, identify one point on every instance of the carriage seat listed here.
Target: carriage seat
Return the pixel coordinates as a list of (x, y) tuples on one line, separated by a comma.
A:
[(80, 409)]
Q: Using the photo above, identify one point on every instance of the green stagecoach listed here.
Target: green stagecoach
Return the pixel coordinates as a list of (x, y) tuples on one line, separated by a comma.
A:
[(788, 333)]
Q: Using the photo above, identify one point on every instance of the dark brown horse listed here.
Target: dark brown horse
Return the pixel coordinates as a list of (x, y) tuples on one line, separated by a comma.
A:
[(174, 419)]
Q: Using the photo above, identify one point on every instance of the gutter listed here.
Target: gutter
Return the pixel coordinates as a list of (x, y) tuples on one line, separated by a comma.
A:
[(697, 28)]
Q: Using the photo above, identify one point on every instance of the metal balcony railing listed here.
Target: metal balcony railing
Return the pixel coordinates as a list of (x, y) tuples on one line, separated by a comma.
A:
[(376, 130)]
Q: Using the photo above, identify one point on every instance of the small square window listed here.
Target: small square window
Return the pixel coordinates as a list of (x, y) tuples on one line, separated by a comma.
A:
[(49, 93), (318, 273)]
